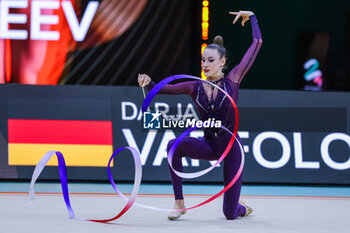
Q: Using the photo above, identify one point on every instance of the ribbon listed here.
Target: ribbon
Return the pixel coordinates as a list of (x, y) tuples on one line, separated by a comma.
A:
[(138, 167), (63, 178)]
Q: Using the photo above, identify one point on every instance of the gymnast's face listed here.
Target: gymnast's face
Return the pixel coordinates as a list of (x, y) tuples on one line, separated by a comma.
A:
[(212, 64)]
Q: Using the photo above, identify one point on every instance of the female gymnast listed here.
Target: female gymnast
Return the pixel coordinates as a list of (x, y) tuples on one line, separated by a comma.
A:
[(212, 103)]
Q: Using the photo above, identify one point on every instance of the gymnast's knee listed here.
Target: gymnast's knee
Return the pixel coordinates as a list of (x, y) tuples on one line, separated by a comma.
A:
[(228, 213)]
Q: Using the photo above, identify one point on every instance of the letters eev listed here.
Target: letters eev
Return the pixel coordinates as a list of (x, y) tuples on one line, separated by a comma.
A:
[(37, 19)]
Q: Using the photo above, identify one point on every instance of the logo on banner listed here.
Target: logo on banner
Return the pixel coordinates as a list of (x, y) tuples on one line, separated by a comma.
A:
[(151, 120)]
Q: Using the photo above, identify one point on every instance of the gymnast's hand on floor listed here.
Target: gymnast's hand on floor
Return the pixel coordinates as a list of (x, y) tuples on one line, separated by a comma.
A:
[(244, 14), (144, 80)]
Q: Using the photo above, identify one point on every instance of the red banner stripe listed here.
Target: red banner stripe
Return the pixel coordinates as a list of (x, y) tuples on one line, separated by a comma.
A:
[(60, 132)]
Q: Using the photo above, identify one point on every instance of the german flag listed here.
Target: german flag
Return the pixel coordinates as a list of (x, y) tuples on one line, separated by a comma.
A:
[(82, 142)]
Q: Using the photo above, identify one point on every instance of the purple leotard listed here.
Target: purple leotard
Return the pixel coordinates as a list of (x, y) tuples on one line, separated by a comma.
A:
[(211, 146)]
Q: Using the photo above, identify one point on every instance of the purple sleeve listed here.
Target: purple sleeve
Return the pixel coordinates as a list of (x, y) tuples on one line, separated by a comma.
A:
[(237, 73), (179, 88)]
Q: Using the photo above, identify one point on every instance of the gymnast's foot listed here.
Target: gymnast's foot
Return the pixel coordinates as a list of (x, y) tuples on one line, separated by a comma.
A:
[(248, 210), (179, 204)]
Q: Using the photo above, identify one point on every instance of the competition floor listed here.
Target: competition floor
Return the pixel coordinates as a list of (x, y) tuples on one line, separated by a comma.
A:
[(276, 209)]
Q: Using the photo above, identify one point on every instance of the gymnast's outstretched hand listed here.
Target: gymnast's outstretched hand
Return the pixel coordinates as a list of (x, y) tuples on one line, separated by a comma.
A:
[(244, 14), (143, 80)]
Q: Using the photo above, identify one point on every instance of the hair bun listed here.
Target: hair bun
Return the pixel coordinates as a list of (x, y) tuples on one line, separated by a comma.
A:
[(219, 40)]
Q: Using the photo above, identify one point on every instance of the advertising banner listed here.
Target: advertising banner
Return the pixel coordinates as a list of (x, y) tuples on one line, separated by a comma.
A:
[(289, 137)]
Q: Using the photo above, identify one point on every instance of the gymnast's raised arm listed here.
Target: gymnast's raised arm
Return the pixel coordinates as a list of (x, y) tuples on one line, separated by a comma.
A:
[(179, 88), (238, 72)]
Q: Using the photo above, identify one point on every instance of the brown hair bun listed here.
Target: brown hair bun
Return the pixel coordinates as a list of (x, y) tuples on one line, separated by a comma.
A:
[(219, 40)]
